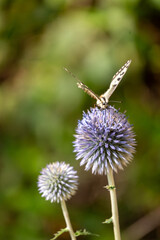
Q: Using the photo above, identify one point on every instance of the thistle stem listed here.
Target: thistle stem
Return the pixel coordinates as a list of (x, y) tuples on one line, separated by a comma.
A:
[(114, 206), (67, 219)]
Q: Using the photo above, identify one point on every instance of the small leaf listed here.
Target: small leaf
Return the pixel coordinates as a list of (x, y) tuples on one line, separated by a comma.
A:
[(84, 232), (110, 187), (60, 232), (109, 220)]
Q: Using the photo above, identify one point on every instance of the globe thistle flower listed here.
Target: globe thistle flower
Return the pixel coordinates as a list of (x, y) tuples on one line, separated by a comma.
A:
[(104, 138), (57, 182)]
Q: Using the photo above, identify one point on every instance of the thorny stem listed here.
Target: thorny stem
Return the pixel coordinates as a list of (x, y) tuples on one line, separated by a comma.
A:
[(67, 220), (114, 206)]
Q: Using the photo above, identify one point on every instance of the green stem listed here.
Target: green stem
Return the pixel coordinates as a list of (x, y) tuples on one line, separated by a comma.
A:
[(114, 206), (67, 220)]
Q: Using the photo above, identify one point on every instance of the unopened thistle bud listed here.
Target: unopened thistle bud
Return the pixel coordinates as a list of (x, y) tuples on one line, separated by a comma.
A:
[(58, 181)]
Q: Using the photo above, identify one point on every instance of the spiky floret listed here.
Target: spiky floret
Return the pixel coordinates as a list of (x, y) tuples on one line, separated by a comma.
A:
[(104, 138), (57, 181)]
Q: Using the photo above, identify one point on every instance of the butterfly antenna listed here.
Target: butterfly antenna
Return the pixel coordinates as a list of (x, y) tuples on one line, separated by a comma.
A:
[(116, 101), (71, 74)]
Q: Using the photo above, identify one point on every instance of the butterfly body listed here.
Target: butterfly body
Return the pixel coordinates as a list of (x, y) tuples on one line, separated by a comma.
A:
[(102, 100)]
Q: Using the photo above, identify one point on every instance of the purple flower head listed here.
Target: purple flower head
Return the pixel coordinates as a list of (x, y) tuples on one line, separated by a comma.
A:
[(104, 138), (57, 181)]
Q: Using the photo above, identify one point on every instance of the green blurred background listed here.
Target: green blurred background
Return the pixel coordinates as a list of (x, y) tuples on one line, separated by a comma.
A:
[(40, 105)]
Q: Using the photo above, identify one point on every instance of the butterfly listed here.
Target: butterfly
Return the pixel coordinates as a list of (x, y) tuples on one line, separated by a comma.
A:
[(102, 100)]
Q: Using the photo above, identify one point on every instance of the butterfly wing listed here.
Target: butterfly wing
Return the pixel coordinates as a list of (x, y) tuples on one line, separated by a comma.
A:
[(115, 81), (103, 99), (88, 90), (84, 87)]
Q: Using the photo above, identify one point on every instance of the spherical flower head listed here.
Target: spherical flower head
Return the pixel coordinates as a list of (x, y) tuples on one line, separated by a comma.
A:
[(104, 138), (57, 181)]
